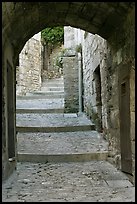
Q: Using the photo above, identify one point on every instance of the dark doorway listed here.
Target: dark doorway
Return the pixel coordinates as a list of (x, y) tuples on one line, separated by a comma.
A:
[(125, 142), (97, 81)]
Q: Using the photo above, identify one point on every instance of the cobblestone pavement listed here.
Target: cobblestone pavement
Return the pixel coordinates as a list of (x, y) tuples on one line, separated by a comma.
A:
[(95, 181)]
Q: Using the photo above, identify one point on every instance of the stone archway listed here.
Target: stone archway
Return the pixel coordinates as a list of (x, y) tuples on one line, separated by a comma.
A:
[(21, 20)]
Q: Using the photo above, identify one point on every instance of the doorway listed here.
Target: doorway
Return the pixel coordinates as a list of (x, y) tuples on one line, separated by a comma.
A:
[(125, 141)]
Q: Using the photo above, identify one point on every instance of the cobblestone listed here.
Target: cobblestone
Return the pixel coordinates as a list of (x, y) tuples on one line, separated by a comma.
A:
[(96, 181)]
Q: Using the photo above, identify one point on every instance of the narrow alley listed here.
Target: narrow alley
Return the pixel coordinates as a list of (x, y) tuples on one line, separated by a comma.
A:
[(68, 102), (61, 157)]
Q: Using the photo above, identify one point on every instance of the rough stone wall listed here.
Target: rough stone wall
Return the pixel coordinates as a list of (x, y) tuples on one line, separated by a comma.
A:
[(72, 46), (101, 63), (123, 52), (98, 52), (110, 56), (94, 49), (28, 72), (72, 37), (50, 58), (71, 89)]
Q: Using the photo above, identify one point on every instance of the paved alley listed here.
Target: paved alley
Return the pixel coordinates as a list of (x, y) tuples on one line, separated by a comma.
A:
[(61, 158)]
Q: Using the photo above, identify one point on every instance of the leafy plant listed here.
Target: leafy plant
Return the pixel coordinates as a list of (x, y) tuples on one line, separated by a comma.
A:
[(53, 35)]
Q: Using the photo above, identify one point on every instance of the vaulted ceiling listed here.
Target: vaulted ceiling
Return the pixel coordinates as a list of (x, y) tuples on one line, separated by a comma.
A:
[(21, 20)]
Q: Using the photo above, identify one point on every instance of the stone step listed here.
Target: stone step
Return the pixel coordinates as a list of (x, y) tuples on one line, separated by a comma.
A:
[(53, 80), (56, 82), (40, 96), (47, 93), (31, 110), (53, 122), (77, 157), (40, 104), (55, 129), (61, 143), (52, 84), (46, 89)]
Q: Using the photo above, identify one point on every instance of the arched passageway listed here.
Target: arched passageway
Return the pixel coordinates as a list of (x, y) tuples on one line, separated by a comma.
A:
[(113, 21)]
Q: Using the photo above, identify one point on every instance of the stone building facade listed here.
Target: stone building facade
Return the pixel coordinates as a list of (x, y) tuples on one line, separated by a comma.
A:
[(28, 73)]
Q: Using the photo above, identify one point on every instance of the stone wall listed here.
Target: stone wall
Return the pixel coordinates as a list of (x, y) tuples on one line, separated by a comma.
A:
[(101, 63), (110, 57), (71, 89), (28, 73), (51, 62), (94, 49), (101, 93), (71, 68), (72, 37), (123, 55)]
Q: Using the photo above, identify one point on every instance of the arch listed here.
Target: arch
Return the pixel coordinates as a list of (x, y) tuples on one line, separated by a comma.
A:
[(22, 20)]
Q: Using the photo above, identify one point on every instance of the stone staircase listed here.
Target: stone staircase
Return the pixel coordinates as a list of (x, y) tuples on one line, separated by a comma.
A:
[(46, 134), (50, 89)]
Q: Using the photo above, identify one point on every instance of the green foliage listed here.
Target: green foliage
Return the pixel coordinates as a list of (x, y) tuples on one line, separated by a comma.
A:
[(53, 35)]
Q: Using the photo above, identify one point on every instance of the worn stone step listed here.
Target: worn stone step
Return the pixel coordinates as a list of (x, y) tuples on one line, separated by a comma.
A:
[(34, 122), (47, 93), (40, 96), (53, 79), (45, 89), (55, 129), (77, 157), (52, 84), (31, 110), (53, 120), (61, 142), (40, 104)]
